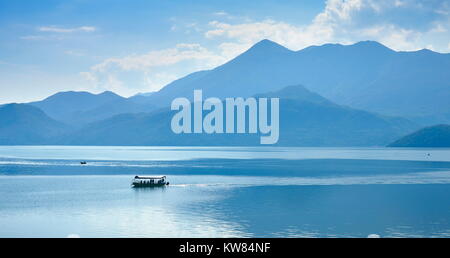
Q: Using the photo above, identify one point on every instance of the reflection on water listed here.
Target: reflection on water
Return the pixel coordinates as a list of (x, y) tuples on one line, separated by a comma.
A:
[(106, 206), (98, 206), (43, 196)]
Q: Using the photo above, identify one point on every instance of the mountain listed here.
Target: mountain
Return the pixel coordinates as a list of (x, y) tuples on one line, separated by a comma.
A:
[(433, 136), (63, 105), (79, 108), (297, 93), (140, 98), (366, 75), (112, 108), (306, 119), (25, 124)]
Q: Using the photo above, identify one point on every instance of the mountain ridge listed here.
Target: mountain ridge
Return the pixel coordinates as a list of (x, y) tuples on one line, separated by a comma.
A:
[(432, 136), (366, 75), (306, 119), (78, 108), (24, 124)]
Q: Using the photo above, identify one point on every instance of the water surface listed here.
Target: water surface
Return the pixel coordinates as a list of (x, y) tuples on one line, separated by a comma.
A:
[(224, 192)]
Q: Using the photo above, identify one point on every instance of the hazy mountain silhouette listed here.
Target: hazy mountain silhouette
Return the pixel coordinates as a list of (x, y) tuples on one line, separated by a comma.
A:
[(350, 79), (63, 105), (366, 75), (306, 119), (25, 124), (433, 136), (78, 108)]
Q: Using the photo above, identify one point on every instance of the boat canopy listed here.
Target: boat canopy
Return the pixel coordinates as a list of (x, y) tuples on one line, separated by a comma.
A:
[(150, 177)]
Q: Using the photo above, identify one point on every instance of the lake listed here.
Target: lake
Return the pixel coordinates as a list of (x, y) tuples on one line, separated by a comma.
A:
[(224, 192)]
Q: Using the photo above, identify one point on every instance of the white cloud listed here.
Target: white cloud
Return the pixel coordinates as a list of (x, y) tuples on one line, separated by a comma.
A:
[(220, 13), (66, 30), (345, 22), (392, 36), (401, 24), (57, 33), (33, 37), (246, 34), (186, 27), (74, 53), (338, 11), (153, 68), (41, 37), (89, 76), (165, 57), (155, 81)]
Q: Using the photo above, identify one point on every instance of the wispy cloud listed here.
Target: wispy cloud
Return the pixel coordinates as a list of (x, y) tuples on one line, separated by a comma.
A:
[(165, 57), (346, 22), (149, 65), (56, 29), (42, 37), (56, 32), (220, 13), (393, 23), (74, 53)]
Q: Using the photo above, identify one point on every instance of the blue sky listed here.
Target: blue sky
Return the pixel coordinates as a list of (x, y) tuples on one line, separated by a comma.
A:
[(135, 46)]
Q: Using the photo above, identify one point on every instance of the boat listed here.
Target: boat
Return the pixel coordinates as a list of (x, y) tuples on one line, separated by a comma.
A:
[(149, 181), (83, 162)]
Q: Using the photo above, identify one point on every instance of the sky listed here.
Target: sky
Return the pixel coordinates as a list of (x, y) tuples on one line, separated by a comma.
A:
[(138, 46)]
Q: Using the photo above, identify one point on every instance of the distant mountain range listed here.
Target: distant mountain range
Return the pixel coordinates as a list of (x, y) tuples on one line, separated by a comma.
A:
[(307, 119), (365, 75), (80, 108), (24, 124), (354, 95), (433, 136)]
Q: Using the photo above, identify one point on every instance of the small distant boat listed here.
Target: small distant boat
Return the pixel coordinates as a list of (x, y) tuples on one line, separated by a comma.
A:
[(83, 162), (149, 181)]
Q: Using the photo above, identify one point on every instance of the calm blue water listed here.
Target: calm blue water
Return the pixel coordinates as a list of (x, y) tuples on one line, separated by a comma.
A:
[(224, 192)]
